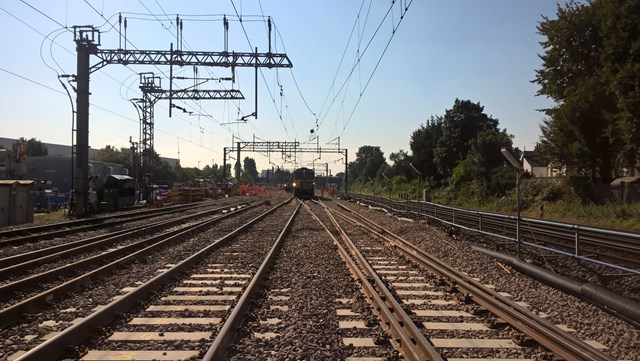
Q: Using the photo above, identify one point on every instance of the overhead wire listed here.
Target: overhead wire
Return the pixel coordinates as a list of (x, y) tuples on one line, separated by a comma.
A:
[(71, 53), (261, 72), (53, 41), (360, 55), (393, 33), (344, 53), (95, 105), (199, 109), (45, 15), (129, 42)]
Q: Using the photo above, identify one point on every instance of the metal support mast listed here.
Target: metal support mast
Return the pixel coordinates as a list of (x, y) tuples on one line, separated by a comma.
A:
[(151, 87), (87, 42)]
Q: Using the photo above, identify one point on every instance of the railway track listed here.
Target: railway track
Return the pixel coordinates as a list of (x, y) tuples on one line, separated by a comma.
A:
[(15, 235), (309, 307), (42, 287), (429, 293), (56, 233), (60, 303), (586, 243), (31, 261), (277, 282)]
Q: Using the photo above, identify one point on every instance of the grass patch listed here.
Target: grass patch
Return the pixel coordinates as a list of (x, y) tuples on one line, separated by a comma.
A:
[(561, 202), (48, 217)]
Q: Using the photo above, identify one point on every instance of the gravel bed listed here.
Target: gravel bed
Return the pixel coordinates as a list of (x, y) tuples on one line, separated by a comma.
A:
[(60, 262), (310, 272), (65, 261), (26, 334), (590, 322), (374, 248), (245, 252), (8, 251)]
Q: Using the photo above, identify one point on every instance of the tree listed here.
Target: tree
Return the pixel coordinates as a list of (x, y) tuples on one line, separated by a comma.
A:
[(401, 161), (157, 168), (460, 125), (621, 68), (423, 143), (483, 159), (586, 128), (110, 154), (36, 148), (368, 160), (250, 169), (33, 147)]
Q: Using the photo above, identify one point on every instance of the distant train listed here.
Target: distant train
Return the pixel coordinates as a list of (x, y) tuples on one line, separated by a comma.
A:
[(303, 183)]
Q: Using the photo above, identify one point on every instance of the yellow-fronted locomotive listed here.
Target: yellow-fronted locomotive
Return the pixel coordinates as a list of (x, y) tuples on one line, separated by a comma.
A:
[(303, 183)]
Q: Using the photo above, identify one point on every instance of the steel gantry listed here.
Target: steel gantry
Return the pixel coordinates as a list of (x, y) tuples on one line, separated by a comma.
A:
[(286, 149), (87, 39), (151, 88)]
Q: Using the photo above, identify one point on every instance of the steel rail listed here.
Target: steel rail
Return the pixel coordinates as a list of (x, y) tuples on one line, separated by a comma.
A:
[(226, 335), (542, 331), (13, 313), (26, 261), (82, 226), (81, 331), (405, 335), (46, 227), (532, 231)]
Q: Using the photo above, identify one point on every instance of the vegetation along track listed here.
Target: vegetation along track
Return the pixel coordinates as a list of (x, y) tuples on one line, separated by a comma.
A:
[(437, 297), (54, 314)]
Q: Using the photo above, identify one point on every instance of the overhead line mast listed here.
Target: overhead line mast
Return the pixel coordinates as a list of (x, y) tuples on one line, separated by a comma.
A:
[(151, 87), (87, 40)]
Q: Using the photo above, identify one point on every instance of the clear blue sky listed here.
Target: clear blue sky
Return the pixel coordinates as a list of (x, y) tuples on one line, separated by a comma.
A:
[(485, 51)]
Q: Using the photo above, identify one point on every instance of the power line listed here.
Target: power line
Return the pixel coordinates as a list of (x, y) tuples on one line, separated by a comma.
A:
[(101, 108), (393, 33), (190, 48), (128, 41), (32, 81), (344, 53), (359, 57), (45, 15), (279, 111)]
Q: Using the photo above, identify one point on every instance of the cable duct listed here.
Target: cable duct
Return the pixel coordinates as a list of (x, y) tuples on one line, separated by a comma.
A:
[(599, 296)]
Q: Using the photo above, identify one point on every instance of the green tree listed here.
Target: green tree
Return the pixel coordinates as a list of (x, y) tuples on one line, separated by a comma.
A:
[(483, 159), (620, 56), (250, 169), (368, 160), (159, 170), (400, 166), (32, 147), (36, 148), (460, 125), (581, 130), (423, 143), (111, 154)]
